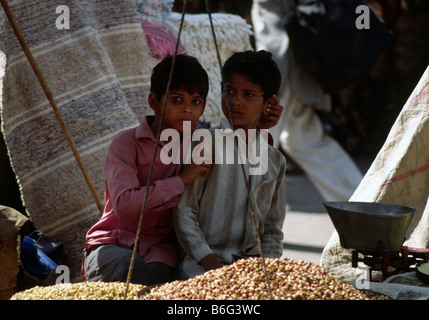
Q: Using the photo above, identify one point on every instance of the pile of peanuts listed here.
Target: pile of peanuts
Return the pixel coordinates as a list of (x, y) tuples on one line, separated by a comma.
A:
[(81, 291), (245, 280)]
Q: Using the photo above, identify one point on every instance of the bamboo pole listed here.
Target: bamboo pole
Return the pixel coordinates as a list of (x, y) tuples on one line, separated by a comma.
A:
[(49, 95)]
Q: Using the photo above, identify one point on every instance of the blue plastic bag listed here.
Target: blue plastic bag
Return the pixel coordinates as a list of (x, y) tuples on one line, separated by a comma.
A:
[(34, 260)]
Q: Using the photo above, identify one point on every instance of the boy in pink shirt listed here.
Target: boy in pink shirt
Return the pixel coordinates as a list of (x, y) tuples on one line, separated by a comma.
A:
[(110, 241)]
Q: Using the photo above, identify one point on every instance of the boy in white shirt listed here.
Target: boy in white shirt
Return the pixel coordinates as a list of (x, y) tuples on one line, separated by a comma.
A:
[(213, 219)]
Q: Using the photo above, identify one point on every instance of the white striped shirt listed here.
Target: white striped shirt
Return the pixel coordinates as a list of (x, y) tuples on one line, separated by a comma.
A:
[(213, 215)]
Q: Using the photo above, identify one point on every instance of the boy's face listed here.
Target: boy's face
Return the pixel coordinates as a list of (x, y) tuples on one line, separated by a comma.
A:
[(181, 106), (246, 100)]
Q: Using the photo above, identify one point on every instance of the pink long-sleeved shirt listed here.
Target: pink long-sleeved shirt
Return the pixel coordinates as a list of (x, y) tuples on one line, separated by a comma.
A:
[(126, 172)]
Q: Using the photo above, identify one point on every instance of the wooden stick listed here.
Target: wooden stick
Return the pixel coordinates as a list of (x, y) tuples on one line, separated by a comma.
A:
[(51, 100)]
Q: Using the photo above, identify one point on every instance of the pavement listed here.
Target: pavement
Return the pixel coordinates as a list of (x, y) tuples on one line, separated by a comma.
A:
[(307, 227)]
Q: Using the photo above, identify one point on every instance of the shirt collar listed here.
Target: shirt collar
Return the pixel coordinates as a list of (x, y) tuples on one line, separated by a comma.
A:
[(144, 129), (225, 124)]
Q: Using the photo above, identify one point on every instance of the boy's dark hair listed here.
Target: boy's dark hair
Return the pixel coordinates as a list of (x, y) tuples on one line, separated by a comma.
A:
[(258, 66), (188, 75)]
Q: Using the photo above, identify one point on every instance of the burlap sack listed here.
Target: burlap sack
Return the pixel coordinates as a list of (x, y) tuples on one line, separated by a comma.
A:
[(399, 174)]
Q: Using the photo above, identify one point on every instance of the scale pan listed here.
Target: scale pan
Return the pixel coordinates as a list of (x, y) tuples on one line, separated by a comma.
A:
[(366, 225)]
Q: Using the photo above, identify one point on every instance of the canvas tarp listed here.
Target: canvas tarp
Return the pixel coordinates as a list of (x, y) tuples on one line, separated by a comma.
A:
[(399, 175), (98, 72)]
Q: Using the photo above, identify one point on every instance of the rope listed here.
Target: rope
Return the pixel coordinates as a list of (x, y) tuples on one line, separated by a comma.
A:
[(258, 238), (54, 106), (136, 243)]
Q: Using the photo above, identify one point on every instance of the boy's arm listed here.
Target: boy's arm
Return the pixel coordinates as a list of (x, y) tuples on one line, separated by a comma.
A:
[(273, 227), (125, 190), (186, 224)]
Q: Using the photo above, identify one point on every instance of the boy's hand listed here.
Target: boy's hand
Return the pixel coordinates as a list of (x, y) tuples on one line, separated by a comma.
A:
[(193, 170), (211, 262), (271, 115)]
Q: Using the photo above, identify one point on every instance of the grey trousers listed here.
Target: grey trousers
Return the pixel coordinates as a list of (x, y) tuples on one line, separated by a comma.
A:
[(110, 262)]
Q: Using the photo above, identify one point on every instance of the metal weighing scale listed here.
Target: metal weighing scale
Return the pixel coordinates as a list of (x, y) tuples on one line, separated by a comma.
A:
[(376, 232)]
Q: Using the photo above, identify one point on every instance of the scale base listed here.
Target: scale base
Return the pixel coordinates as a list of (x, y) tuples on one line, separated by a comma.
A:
[(390, 262)]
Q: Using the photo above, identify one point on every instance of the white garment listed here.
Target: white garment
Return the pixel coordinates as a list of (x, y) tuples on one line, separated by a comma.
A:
[(300, 132), (213, 215)]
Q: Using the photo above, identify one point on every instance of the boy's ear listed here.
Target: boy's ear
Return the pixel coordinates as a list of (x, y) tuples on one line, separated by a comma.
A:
[(153, 101)]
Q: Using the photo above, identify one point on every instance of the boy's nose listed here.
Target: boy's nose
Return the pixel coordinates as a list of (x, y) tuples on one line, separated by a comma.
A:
[(187, 107), (234, 100)]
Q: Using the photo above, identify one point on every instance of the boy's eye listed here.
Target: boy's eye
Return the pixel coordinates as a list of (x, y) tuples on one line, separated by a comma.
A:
[(228, 91), (176, 99), (197, 101)]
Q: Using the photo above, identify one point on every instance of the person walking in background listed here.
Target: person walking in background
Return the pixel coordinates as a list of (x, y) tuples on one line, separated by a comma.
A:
[(300, 132)]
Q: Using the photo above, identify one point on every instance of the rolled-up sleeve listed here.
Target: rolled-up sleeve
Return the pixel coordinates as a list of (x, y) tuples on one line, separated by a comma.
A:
[(185, 219)]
